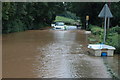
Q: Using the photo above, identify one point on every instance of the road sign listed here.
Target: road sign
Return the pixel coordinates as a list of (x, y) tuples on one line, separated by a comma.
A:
[(87, 17), (105, 12)]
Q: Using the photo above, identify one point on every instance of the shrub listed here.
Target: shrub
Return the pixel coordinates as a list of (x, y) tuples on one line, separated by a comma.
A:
[(115, 29), (96, 30), (14, 26), (39, 25)]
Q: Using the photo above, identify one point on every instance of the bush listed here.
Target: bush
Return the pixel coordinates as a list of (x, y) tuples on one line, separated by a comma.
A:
[(96, 30), (115, 29), (14, 26), (17, 26), (39, 26)]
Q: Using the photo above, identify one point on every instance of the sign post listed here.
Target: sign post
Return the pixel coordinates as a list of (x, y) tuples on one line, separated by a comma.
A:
[(108, 23), (106, 14), (104, 30)]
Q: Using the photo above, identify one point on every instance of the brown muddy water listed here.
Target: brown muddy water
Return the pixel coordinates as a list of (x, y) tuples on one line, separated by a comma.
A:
[(52, 54)]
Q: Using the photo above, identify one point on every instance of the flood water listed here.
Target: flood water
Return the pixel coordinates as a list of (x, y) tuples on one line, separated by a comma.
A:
[(52, 54)]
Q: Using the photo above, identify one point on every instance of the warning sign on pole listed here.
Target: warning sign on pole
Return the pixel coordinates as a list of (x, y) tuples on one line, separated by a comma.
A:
[(105, 13), (87, 17)]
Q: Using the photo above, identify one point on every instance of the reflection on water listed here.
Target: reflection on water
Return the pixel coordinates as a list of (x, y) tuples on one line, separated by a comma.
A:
[(112, 64), (50, 54)]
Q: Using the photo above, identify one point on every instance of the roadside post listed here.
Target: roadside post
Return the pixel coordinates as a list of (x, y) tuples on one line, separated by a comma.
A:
[(87, 19), (106, 14), (108, 23)]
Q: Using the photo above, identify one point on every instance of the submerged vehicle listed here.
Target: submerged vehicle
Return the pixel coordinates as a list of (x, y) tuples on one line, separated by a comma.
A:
[(59, 25)]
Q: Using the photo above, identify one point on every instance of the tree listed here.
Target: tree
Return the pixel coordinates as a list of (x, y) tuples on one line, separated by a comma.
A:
[(20, 16)]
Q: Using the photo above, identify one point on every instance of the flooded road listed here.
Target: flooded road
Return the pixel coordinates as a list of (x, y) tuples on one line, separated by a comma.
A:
[(51, 54)]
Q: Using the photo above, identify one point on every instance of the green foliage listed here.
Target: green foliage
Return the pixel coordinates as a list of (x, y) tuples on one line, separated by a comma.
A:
[(20, 16), (38, 26), (115, 9), (96, 30), (70, 15), (64, 19), (14, 26), (113, 40), (82, 9), (31, 14), (115, 29), (68, 18), (93, 9), (112, 36)]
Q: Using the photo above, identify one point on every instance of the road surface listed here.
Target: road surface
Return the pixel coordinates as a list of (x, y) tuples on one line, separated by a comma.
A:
[(50, 54)]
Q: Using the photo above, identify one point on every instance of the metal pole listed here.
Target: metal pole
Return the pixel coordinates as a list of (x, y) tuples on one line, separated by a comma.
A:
[(108, 22), (105, 30), (86, 24)]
